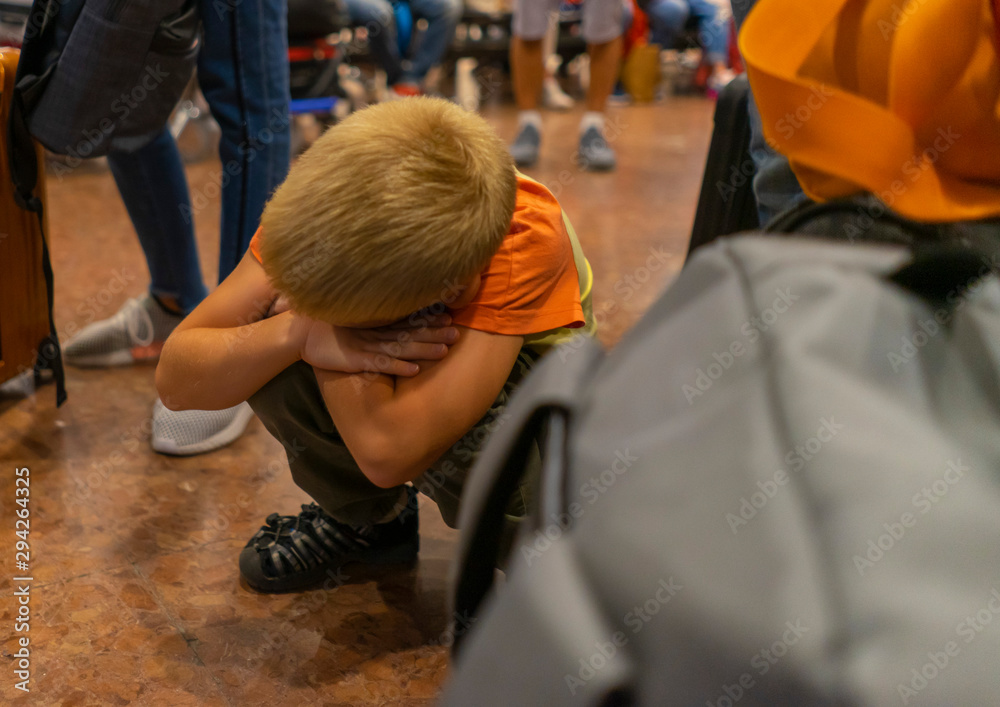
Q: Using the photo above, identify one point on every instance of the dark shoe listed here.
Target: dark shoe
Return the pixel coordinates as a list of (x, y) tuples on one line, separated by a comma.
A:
[(595, 153), (296, 553), (524, 149)]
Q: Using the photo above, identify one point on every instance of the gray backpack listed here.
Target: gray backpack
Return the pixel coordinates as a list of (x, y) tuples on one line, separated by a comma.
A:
[(781, 488)]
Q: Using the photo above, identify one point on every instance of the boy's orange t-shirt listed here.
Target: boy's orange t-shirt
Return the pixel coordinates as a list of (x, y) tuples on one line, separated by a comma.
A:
[(531, 284)]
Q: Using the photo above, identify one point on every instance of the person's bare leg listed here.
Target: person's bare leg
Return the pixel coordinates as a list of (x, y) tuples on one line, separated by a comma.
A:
[(527, 76), (595, 153), (527, 71), (604, 60)]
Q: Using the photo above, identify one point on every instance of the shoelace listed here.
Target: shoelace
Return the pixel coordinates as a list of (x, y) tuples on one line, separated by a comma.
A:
[(135, 317)]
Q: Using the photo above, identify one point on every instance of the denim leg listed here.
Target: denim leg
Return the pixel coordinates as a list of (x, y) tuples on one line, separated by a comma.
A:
[(243, 73), (152, 184), (377, 17), (442, 17), (713, 29), (774, 186), (666, 20)]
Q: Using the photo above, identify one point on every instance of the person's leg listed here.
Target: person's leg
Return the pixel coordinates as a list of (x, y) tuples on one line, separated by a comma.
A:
[(446, 478), (376, 16), (292, 409), (442, 18), (353, 520), (666, 21), (155, 192), (775, 185), (602, 29), (243, 72), (553, 95), (713, 27), (530, 23)]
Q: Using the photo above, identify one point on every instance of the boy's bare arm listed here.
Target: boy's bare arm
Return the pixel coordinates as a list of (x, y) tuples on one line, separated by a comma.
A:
[(395, 428), (226, 349)]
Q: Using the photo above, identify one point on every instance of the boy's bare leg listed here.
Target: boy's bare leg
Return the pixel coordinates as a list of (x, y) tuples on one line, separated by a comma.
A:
[(527, 75)]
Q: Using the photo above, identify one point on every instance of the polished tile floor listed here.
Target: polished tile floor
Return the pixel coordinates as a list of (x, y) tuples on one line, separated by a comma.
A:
[(136, 597)]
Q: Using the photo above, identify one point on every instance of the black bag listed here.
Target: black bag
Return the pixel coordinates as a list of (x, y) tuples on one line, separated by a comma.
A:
[(727, 204), (99, 75)]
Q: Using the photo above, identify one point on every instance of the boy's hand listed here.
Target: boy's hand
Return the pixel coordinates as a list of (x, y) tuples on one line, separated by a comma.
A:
[(389, 349)]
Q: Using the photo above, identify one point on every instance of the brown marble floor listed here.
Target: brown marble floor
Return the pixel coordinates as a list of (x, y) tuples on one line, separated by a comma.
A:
[(136, 597)]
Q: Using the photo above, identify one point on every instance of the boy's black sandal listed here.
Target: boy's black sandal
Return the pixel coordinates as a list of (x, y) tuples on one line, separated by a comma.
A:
[(296, 553)]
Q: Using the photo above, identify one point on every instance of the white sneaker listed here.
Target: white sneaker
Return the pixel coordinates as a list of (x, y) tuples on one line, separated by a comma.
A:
[(553, 97), (188, 432), (135, 333)]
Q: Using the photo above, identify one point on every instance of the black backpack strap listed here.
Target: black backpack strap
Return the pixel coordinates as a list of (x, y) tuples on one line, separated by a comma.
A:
[(948, 258), (23, 166), (550, 394)]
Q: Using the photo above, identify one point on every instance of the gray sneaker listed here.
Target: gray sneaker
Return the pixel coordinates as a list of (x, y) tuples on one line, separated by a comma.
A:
[(188, 432), (524, 149), (135, 333), (595, 153)]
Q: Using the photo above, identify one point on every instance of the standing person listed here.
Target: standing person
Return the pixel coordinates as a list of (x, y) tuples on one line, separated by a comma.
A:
[(668, 17), (243, 73), (775, 186), (602, 30), (405, 77)]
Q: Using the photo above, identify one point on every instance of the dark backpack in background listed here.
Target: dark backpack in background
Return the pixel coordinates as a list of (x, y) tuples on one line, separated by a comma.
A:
[(97, 75)]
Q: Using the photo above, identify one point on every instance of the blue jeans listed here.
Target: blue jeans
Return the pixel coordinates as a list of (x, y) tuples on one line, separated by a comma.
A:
[(377, 17), (243, 74), (774, 185), (668, 17)]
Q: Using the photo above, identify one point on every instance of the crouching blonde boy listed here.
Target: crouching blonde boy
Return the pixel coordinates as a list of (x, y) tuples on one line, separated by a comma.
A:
[(404, 280)]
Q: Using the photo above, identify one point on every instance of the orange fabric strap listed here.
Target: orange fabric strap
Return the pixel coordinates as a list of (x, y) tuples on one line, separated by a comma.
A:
[(845, 92)]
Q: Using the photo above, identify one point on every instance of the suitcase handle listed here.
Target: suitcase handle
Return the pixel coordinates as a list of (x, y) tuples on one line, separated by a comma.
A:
[(553, 387)]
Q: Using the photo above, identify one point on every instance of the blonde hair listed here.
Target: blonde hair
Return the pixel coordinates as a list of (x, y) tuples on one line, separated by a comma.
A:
[(388, 211)]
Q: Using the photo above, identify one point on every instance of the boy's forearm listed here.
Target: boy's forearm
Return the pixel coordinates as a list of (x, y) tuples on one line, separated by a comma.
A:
[(212, 369), (391, 444)]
